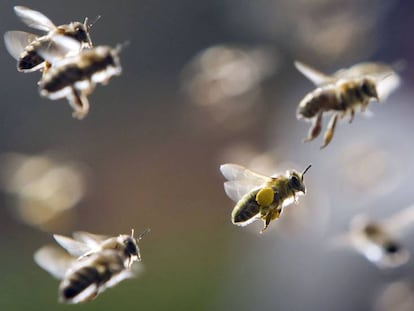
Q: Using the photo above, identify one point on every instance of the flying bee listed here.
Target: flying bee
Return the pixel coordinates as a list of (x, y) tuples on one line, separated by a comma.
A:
[(24, 46), (91, 264), (75, 77), (259, 196), (379, 241), (343, 93)]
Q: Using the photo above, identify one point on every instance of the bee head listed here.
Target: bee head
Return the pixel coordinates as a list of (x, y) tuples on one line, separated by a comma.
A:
[(369, 88), (131, 245), (296, 180), (79, 32)]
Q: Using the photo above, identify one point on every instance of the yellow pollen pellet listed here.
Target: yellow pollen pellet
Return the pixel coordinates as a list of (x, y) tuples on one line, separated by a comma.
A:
[(265, 196)]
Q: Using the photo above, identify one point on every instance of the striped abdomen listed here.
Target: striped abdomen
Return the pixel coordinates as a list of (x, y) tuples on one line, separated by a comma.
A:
[(30, 59), (322, 99), (95, 271), (83, 67), (246, 209)]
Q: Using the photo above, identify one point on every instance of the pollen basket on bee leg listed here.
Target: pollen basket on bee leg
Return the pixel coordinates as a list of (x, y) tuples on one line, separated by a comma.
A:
[(265, 196)]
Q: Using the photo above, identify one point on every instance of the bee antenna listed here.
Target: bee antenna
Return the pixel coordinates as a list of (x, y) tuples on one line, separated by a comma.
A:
[(132, 232), (139, 238), (306, 169), (120, 46), (89, 25)]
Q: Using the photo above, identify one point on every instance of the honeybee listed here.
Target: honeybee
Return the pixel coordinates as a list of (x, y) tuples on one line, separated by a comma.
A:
[(259, 196), (343, 93), (75, 77), (91, 264), (24, 46), (379, 241)]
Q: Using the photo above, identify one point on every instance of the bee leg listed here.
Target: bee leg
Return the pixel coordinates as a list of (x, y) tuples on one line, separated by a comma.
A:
[(80, 104), (45, 69), (315, 129), (330, 131), (352, 116), (266, 222)]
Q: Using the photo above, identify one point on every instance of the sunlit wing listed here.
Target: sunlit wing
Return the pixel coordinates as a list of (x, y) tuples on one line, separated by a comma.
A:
[(17, 41), (317, 77), (54, 260), (238, 172), (90, 239), (34, 19), (126, 274), (385, 77), (235, 189), (58, 48), (75, 248), (401, 222)]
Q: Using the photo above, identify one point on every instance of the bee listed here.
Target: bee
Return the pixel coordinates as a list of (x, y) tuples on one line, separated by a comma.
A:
[(259, 196), (75, 77), (343, 93), (24, 46), (379, 241), (91, 264)]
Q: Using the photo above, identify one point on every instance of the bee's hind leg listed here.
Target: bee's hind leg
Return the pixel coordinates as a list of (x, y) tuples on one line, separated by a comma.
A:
[(80, 104), (352, 116), (330, 130), (315, 129)]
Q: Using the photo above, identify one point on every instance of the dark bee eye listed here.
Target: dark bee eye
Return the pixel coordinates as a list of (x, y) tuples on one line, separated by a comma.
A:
[(130, 247), (295, 182)]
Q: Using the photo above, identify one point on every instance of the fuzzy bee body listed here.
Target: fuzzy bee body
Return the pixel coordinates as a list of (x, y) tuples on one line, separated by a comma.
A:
[(76, 77), (374, 242), (258, 196), (94, 263), (24, 47), (342, 94), (91, 275)]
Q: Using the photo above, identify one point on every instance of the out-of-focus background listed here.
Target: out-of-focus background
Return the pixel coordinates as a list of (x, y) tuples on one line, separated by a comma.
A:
[(204, 83)]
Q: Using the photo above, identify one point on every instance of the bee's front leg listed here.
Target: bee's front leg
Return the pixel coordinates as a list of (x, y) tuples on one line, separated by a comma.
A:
[(330, 130), (316, 127)]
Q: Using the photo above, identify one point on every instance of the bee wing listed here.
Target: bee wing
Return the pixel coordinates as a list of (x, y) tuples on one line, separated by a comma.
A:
[(54, 260), (317, 77), (385, 77), (241, 180), (93, 240), (58, 48), (34, 19), (401, 221), (235, 190), (17, 41), (75, 248)]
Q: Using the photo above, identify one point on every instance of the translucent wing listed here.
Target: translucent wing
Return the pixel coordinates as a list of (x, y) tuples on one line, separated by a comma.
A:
[(92, 240), (387, 80), (241, 180), (401, 221), (34, 19), (54, 260), (235, 190), (17, 41), (59, 47), (75, 248), (317, 77)]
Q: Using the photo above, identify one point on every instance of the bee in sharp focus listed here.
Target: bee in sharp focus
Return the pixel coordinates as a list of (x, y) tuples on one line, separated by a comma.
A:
[(24, 46), (380, 241), (343, 93), (259, 196), (75, 77), (92, 263)]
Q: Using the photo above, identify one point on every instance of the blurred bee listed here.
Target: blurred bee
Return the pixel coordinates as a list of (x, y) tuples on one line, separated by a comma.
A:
[(75, 77), (93, 263), (343, 93), (24, 46), (259, 196), (379, 241)]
